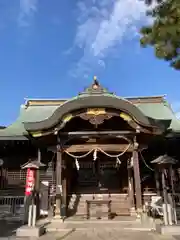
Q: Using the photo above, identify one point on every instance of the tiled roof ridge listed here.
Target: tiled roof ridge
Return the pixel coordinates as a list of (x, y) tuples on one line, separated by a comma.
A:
[(148, 96), (55, 101)]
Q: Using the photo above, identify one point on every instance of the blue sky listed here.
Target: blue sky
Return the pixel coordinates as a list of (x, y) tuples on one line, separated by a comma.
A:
[(52, 49)]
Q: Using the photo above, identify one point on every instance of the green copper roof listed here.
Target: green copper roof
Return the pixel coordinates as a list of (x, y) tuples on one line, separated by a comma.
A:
[(16, 130), (37, 113), (32, 113), (158, 111)]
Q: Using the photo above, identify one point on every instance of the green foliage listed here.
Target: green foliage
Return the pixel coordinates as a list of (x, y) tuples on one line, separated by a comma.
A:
[(164, 33)]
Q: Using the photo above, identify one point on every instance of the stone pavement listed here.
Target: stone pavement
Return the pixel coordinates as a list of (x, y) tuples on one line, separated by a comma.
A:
[(95, 231), (7, 228), (56, 225), (98, 234), (106, 234)]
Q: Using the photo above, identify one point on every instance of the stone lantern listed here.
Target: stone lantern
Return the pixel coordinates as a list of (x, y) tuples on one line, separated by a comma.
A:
[(163, 165)]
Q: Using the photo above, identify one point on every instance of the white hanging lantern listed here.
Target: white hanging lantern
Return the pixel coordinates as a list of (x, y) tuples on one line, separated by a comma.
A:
[(131, 162), (118, 162), (95, 155), (77, 164)]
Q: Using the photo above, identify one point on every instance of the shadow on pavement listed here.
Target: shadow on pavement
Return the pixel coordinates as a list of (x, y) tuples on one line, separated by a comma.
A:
[(8, 228)]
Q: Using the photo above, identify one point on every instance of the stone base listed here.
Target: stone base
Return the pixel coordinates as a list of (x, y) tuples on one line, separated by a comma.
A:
[(133, 212), (139, 213), (168, 230), (58, 219), (25, 231)]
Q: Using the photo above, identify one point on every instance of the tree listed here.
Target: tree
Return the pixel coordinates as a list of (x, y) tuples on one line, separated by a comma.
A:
[(164, 32)]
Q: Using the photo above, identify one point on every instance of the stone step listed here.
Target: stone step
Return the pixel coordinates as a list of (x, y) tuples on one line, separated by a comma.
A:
[(78, 225), (120, 204)]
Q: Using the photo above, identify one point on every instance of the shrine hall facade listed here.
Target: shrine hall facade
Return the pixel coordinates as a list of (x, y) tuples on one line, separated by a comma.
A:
[(95, 146)]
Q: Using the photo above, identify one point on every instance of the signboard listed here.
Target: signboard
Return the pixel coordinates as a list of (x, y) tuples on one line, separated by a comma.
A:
[(30, 178)]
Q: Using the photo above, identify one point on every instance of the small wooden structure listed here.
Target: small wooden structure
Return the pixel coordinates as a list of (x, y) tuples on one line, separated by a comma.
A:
[(164, 165)]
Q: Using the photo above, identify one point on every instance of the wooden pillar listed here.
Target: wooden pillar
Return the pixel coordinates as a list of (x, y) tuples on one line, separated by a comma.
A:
[(165, 197), (64, 190), (156, 173), (37, 185), (130, 186), (137, 178), (164, 186), (173, 194), (58, 182), (131, 192)]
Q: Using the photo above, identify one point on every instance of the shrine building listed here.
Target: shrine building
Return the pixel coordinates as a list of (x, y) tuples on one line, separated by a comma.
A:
[(95, 146)]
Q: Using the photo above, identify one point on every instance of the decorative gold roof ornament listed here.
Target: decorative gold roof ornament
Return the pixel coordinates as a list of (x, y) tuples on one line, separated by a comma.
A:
[(94, 88), (95, 85)]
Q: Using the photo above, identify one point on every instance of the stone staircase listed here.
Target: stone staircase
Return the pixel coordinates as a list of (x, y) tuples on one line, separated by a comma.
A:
[(119, 203)]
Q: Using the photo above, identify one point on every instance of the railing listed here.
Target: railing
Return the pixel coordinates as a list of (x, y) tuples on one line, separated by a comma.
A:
[(11, 207)]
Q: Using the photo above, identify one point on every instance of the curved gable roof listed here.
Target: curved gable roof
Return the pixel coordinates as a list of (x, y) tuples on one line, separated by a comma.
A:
[(39, 113), (93, 97)]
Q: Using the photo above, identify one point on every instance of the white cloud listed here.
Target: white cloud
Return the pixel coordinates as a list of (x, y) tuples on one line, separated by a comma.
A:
[(27, 10), (103, 25)]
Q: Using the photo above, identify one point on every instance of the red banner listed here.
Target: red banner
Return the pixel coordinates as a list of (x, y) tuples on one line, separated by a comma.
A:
[(29, 181)]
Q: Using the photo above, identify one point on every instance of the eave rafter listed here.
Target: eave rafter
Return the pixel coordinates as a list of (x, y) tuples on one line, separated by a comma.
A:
[(97, 116)]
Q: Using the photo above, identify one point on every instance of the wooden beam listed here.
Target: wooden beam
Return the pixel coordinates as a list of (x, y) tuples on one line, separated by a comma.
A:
[(105, 147), (96, 133), (88, 147)]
